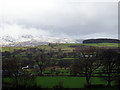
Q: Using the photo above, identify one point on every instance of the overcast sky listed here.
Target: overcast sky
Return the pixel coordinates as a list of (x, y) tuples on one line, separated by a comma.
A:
[(59, 18)]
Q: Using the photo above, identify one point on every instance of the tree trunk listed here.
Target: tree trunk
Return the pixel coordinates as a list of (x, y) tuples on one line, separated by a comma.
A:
[(87, 79), (41, 70), (109, 84), (40, 67), (16, 80), (109, 80)]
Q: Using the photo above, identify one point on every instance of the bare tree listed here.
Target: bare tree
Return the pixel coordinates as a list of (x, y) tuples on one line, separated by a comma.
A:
[(86, 62), (42, 59), (110, 57), (12, 65)]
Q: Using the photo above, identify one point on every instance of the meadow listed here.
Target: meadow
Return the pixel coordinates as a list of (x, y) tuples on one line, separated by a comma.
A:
[(68, 82), (65, 47)]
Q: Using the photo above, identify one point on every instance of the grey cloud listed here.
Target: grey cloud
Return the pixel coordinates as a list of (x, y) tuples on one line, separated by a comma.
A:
[(68, 19)]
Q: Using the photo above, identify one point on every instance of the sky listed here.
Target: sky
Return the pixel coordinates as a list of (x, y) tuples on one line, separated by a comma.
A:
[(75, 19)]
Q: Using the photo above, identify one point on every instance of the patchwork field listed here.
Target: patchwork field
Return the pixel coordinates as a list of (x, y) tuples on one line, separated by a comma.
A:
[(65, 47), (58, 65)]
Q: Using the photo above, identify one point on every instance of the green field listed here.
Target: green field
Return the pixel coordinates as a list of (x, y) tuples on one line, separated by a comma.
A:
[(66, 82), (104, 44), (65, 47), (11, 49)]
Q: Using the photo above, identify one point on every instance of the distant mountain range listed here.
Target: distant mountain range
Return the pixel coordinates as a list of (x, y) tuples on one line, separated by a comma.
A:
[(29, 40)]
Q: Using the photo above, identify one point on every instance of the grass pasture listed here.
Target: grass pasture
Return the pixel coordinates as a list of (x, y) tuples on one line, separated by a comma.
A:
[(64, 47), (67, 82), (103, 44)]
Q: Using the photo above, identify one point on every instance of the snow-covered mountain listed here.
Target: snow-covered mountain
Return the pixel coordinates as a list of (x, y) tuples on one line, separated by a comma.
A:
[(29, 40)]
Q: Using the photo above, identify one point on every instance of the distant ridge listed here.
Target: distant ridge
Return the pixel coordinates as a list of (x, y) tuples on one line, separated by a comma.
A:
[(101, 40), (29, 40)]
